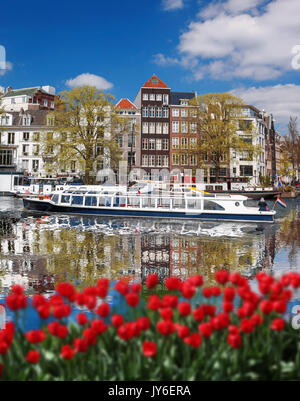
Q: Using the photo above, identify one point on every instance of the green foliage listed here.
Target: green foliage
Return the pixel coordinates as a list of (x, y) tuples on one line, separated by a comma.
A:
[(83, 129)]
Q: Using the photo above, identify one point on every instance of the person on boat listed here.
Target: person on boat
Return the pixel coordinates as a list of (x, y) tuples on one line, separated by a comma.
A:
[(263, 206)]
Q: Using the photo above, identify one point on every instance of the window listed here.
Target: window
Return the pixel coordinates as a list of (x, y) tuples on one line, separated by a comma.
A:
[(184, 113), (145, 96), (152, 96), (152, 161), (50, 121), (175, 143), (165, 161), (184, 127), (145, 128), (184, 159), (165, 112), (184, 143), (151, 144), (223, 172), (158, 128), (184, 102), (6, 157), (165, 128), (158, 112), (165, 144), (193, 127), (151, 111), (145, 111), (166, 99), (175, 126), (175, 112), (145, 144), (193, 143), (131, 158), (158, 144), (52, 105), (193, 160), (26, 120), (45, 103), (159, 97), (36, 149), (151, 128), (25, 136), (144, 160), (90, 201), (36, 137), (131, 141), (35, 165), (77, 200), (158, 161), (11, 138), (175, 158), (73, 166), (25, 164), (246, 171)]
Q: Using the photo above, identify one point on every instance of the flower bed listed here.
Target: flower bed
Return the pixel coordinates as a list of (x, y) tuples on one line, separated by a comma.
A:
[(172, 337)]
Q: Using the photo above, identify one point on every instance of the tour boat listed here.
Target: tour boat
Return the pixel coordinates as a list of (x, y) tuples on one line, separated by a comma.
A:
[(176, 204)]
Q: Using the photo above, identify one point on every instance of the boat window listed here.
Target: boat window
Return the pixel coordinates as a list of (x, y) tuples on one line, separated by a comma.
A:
[(209, 188), (54, 198), (178, 203), (237, 203), (218, 188), (191, 203), (107, 201), (90, 201), (209, 205), (77, 200), (65, 199)]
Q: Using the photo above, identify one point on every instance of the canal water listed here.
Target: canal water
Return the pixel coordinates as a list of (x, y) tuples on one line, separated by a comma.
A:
[(38, 251)]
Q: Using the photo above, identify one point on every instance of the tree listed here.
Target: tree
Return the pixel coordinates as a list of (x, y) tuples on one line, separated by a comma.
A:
[(84, 130), (222, 129), (291, 144)]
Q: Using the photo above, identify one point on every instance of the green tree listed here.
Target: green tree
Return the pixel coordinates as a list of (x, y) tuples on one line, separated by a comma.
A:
[(291, 144), (222, 129), (84, 129)]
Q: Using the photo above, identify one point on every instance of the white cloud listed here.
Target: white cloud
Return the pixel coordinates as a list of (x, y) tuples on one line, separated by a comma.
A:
[(233, 7), (89, 79), (8, 67), (282, 101), (248, 39), (172, 4), (160, 59)]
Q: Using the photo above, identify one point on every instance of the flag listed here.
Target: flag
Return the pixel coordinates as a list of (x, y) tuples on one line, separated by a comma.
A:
[(280, 182), (281, 202)]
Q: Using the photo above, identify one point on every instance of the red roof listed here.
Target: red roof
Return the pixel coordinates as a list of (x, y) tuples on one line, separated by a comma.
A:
[(125, 104), (155, 82)]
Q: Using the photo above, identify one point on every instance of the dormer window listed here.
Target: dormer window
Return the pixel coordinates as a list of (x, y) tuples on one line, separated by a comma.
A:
[(50, 121), (26, 120), (5, 120)]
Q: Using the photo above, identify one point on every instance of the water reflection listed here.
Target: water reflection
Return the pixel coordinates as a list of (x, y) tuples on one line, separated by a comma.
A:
[(39, 251)]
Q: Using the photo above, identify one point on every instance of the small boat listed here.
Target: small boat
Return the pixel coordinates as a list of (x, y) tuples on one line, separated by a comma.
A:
[(250, 191), (189, 203)]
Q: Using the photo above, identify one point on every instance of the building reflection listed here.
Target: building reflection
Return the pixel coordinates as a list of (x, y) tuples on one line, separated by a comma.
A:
[(40, 252)]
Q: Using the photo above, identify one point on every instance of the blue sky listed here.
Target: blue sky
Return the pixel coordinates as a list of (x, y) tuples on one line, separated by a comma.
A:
[(242, 46)]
